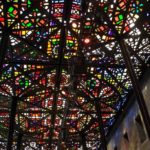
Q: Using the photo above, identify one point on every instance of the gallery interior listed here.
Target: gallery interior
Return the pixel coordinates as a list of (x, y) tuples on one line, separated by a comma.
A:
[(74, 74)]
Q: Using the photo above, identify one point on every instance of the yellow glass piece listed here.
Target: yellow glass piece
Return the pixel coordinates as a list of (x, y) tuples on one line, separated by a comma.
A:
[(16, 73), (23, 32), (49, 48)]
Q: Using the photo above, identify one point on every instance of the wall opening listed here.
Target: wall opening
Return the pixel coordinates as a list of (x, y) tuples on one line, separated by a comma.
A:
[(115, 148), (125, 135), (126, 140), (140, 128)]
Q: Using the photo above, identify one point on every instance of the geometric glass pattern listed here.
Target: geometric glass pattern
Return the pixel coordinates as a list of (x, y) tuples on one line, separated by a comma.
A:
[(61, 58)]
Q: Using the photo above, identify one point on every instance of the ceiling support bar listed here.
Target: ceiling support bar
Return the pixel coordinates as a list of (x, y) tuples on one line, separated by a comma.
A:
[(5, 37), (63, 124), (3, 48), (83, 141), (19, 141), (101, 126), (12, 122), (136, 86), (57, 84), (66, 14)]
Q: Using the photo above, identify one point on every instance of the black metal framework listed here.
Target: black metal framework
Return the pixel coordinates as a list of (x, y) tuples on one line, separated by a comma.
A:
[(12, 122), (64, 68)]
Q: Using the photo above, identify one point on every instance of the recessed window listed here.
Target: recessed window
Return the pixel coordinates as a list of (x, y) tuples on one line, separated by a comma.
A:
[(125, 135), (126, 140), (140, 128), (115, 148)]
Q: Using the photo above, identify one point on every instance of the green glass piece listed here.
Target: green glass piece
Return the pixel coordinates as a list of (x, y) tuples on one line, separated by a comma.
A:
[(105, 9), (121, 17), (35, 10), (70, 43), (26, 83), (29, 2), (54, 42), (141, 5), (20, 82), (88, 82), (12, 15), (91, 83), (10, 9), (23, 24), (29, 24), (118, 22), (87, 27), (26, 25)]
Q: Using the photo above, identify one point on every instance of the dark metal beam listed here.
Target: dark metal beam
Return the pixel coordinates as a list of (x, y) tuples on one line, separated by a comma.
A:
[(136, 86), (83, 141), (65, 21), (53, 63), (63, 124), (19, 141), (57, 83), (12, 122), (5, 36), (3, 47), (101, 126)]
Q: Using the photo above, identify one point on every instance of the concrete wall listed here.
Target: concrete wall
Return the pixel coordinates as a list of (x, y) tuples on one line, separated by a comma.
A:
[(128, 128)]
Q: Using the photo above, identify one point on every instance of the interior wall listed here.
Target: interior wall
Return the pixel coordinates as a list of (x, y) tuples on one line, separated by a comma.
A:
[(131, 133)]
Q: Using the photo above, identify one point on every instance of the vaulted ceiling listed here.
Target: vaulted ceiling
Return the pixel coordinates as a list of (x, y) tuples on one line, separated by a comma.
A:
[(66, 69)]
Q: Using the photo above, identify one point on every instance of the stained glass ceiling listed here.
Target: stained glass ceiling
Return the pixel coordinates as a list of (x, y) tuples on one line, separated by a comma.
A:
[(61, 62)]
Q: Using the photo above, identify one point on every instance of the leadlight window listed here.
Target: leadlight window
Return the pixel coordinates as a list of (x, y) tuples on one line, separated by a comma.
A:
[(58, 63)]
